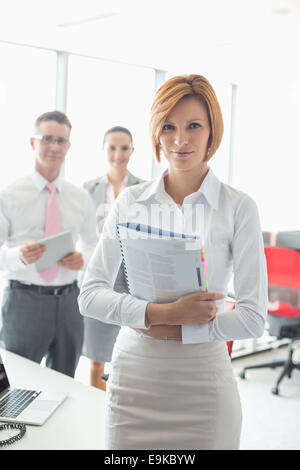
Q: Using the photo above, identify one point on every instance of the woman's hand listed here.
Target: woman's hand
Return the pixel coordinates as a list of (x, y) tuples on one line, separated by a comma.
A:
[(191, 309), (194, 309)]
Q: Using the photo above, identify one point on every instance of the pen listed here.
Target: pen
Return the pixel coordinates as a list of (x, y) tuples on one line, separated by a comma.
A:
[(204, 264)]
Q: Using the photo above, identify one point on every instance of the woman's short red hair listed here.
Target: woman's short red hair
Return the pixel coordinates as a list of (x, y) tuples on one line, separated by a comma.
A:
[(173, 90)]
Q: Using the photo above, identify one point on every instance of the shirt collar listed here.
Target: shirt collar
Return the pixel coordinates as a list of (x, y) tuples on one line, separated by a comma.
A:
[(156, 189), (210, 188), (41, 182)]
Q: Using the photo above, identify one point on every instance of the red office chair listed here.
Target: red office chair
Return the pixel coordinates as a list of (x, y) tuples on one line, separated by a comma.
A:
[(283, 265)]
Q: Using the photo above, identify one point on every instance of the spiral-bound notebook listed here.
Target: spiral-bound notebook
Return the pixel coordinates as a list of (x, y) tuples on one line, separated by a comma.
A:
[(160, 266)]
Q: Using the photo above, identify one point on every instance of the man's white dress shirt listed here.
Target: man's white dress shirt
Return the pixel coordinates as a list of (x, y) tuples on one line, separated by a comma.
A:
[(22, 216), (228, 223)]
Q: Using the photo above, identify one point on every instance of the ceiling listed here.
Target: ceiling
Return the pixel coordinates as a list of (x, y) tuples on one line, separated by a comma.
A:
[(157, 33)]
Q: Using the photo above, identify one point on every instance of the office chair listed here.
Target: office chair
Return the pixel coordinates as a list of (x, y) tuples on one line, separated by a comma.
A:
[(283, 266), (269, 238), (289, 239)]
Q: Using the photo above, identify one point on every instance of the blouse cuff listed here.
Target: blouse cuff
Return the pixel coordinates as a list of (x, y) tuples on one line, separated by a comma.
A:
[(192, 334), (135, 316)]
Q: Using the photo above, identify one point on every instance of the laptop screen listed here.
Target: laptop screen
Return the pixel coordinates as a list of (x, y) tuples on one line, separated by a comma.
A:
[(4, 383)]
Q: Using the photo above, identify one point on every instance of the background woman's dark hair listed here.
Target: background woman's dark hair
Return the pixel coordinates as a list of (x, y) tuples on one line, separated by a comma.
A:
[(117, 129)]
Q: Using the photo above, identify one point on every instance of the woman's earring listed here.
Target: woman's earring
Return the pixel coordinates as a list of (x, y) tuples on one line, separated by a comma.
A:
[(208, 151)]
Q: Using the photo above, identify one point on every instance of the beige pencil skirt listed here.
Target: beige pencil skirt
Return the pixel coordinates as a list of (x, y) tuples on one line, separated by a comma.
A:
[(162, 394)]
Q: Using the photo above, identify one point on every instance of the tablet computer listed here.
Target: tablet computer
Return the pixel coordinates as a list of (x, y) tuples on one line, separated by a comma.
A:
[(58, 246)]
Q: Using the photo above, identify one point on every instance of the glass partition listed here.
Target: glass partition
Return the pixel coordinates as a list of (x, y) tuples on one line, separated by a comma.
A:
[(102, 95), (27, 89)]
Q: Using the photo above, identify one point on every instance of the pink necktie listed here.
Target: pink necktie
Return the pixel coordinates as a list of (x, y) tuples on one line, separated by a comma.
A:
[(52, 226)]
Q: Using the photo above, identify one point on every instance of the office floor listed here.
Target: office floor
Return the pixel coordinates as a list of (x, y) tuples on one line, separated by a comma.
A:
[(269, 422)]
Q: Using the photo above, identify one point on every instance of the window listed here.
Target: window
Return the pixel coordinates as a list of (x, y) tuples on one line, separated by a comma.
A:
[(267, 142), (102, 95), (27, 89)]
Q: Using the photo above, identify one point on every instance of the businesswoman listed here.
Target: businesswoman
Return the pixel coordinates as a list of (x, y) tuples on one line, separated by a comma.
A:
[(149, 405), (99, 338)]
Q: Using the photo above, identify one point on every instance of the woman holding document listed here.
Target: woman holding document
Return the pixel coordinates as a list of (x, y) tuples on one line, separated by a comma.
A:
[(171, 383)]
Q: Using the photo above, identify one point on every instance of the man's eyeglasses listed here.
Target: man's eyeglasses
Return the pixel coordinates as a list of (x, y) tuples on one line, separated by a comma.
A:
[(49, 140)]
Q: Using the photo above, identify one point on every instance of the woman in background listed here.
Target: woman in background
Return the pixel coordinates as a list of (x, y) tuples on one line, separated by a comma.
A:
[(149, 405), (99, 338)]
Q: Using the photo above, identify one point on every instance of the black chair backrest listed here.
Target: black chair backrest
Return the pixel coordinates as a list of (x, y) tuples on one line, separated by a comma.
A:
[(288, 239)]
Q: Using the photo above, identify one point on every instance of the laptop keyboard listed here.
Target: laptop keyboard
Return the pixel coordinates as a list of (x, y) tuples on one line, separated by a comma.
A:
[(16, 401)]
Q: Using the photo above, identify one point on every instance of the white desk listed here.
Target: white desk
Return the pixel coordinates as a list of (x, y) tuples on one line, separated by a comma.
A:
[(78, 423)]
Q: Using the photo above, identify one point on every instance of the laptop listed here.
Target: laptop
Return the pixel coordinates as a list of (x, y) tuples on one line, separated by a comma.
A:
[(26, 406)]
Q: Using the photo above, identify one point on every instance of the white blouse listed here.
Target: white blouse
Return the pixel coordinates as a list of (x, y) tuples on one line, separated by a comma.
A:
[(104, 208), (110, 194), (228, 223)]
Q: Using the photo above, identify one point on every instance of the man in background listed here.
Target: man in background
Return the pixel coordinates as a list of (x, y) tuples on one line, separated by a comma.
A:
[(40, 315)]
